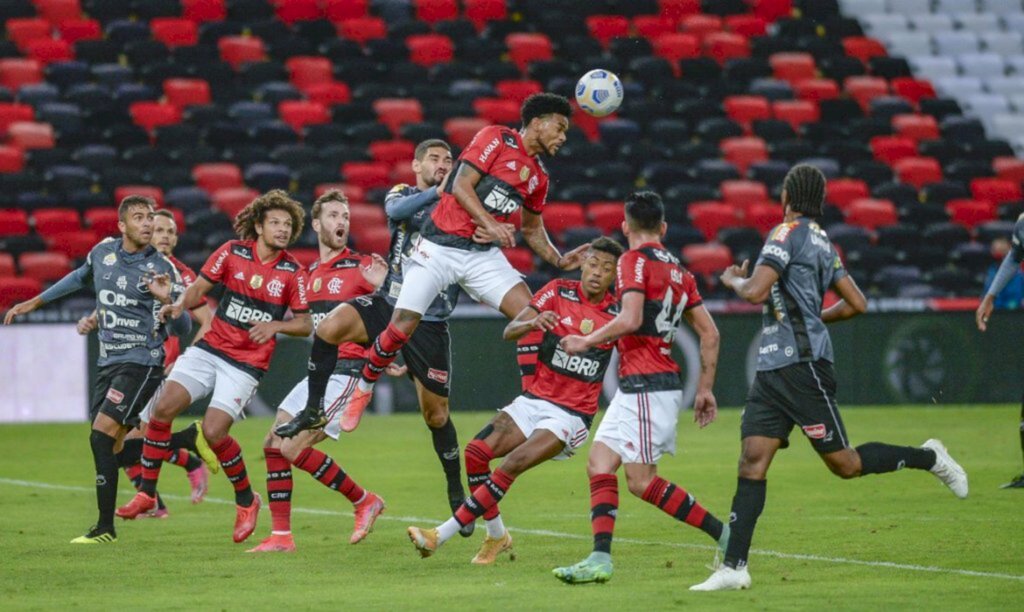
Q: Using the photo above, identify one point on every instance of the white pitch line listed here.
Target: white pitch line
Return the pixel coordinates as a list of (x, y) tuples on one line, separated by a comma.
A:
[(572, 536)]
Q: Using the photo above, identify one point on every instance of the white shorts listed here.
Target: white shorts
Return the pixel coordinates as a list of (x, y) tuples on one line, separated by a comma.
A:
[(203, 373), (485, 275), (339, 386), (641, 427), (147, 412), (531, 414)]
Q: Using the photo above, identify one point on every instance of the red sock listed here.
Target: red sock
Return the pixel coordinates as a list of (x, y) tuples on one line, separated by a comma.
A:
[(674, 501), (179, 457), (324, 469), (478, 469), (229, 453), (134, 474), (384, 350), (485, 496), (155, 449), (279, 489), (604, 503)]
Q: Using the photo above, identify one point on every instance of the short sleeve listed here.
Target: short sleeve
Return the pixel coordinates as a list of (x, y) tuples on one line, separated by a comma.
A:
[(1017, 240), (838, 269), (545, 298), (778, 249), (692, 293), (297, 293), (216, 265), (631, 273), (484, 148)]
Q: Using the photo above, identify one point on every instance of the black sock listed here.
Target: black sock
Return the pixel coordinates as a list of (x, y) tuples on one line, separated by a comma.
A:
[(322, 360), (880, 458), (186, 439), (193, 463), (747, 505), (446, 445), (1022, 426), (106, 477), (131, 452)]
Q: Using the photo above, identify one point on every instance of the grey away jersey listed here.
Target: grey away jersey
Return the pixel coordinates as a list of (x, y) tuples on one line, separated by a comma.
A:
[(808, 265), (403, 235), (129, 330)]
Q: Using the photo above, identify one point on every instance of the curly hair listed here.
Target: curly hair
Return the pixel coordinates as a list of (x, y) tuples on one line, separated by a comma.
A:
[(255, 213), (334, 195), (541, 104)]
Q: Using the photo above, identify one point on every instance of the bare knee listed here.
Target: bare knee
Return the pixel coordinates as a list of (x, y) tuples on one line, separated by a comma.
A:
[(272, 440), (214, 433), (435, 411), (753, 466), (406, 320), (291, 449), (844, 464), (638, 483)]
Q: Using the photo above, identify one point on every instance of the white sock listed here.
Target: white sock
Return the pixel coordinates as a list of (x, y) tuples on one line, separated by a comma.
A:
[(447, 529), (495, 527)]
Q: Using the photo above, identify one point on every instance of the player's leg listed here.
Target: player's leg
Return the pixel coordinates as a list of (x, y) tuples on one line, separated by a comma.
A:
[(279, 485), (1018, 481)]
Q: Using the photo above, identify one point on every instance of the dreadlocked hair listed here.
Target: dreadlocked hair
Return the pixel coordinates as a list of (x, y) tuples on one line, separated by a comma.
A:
[(256, 212), (805, 190)]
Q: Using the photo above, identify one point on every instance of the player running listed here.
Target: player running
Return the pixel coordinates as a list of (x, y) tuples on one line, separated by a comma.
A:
[(795, 382), (552, 418), (338, 275), (261, 282), (498, 173), (131, 280), (640, 424), (1007, 270)]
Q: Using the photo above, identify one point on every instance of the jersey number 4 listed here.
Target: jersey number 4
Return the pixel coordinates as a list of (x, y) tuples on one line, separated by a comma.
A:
[(667, 321)]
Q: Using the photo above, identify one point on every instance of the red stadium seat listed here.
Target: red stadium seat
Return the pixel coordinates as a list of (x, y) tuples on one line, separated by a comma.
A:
[(482, 11), (912, 89), (291, 11), (392, 151), (652, 27), (237, 50), (995, 190), (890, 149), (31, 135), (16, 71), (560, 216), (744, 151), (362, 29), (215, 176), (14, 290), (793, 67), (75, 244), (497, 110), (970, 213), (724, 46), (430, 49), (840, 192), (52, 221), (74, 30), (175, 32), (762, 216), (304, 70), (207, 10), (46, 267), (432, 11), (677, 9), (701, 25), (677, 46), (146, 191), (863, 89), (340, 10), (12, 159), (402, 173), (606, 216), (816, 90), (368, 175), (305, 255), (103, 221), (23, 30), (396, 112), (710, 217), (1009, 168), (745, 109), (770, 10), (742, 192), (916, 127), (517, 90), (863, 48), (603, 28), (707, 259), (13, 222), (300, 113), (151, 115), (461, 130), (354, 193), (367, 215), (747, 26), (48, 51), (520, 258), (231, 200), (796, 112), (56, 11), (186, 92), (7, 269), (870, 213), (918, 171), (14, 111), (329, 94), (524, 48), (373, 239)]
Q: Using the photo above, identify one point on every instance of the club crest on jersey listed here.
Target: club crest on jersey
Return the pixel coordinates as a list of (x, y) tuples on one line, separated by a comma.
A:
[(256, 281), (524, 173), (275, 287), (317, 283), (122, 282), (334, 286), (110, 259), (586, 326)]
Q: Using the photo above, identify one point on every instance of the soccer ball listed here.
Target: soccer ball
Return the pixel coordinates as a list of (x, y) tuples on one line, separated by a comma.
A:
[(599, 92)]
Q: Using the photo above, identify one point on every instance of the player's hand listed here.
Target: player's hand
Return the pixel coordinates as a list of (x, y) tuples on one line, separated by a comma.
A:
[(545, 321), (396, 370), (261, 333), (984, 311), (482, 235), (159, 286), (705, 408), (574, 344), (170, 311), (574, 258), (376, 271), (87, 324), (735, 272), (20, 309)]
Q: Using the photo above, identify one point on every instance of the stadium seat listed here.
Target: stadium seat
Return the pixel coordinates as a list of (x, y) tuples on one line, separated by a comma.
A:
[(916, 127), (299, 113), (521, 259), (74, 30), (148, 191), (7, 269), (676, 46), (396, 112), (237, 50), (13, 222), (890, 149), (796, 112), (75, 244), (517, 90), (17, 72), (918, 171), (497, 110), (746, 109), (24, 30), (362, 29), (18, 289), (461, 130), (103, 221), (392, 151), (293, 11), (231, 200), (525, 48), (701, 25), (711, 217), (1009, 168), (607, 216), (52, 221), (871, 213), (741, 192), (863, 48), (175, 32), (187, 92), (970, 213), (372, 238), (204, 10), (304, 71), (31, 135), (815, 90), (213, 177), (56, 11), (707, 259), (793, 67), (841, 192), (368, 175), (329, 94), (45, 267), (725, 46), (995, 190), (603, 28), (560, 216), (744, 151), (12, 159), (481, 12), (151, 115), (430, 49)]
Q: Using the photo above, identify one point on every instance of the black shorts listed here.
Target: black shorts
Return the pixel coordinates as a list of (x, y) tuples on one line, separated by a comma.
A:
[(428, 352), (122, 391), (801, 394)]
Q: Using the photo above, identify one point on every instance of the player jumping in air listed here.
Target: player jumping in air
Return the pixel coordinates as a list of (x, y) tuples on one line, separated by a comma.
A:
[(795, 382)]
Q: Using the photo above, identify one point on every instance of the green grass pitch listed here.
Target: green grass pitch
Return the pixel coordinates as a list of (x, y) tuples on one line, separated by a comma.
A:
[(897, 541)]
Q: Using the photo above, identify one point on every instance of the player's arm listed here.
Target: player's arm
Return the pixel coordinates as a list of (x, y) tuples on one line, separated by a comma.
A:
[(191, 298), (1007, 270), (853, 302), (705, 406), (528, 320), (629, 319), (400, 207), (536, 236), (464, 189), (204, 316), (754, 289), (72, 282)]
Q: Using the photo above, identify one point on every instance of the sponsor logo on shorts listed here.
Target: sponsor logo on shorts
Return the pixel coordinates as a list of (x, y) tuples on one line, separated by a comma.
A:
[(115, 396), (440, 376), (817, 432)]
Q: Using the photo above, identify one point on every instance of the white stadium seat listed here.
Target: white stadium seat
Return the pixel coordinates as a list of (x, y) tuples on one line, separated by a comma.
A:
[(978, 23), (1007, 124), (1001, 7), (958, 85), (882, 25), (1003, 43), (1006, 86), (1017, 102), (855, 8), (910, 7), (981, 105), (982, 65), (1015, 64), (955, 43), (1014, 22), (955, 6), (933, 67), (909, 44), (933, 24)]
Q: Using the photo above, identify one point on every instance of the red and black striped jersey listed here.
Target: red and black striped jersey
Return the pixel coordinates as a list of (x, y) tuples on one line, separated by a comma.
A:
[(572, 382), (511, 178), (172, 346), (645, 356), (254, 292), (335, 282)]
